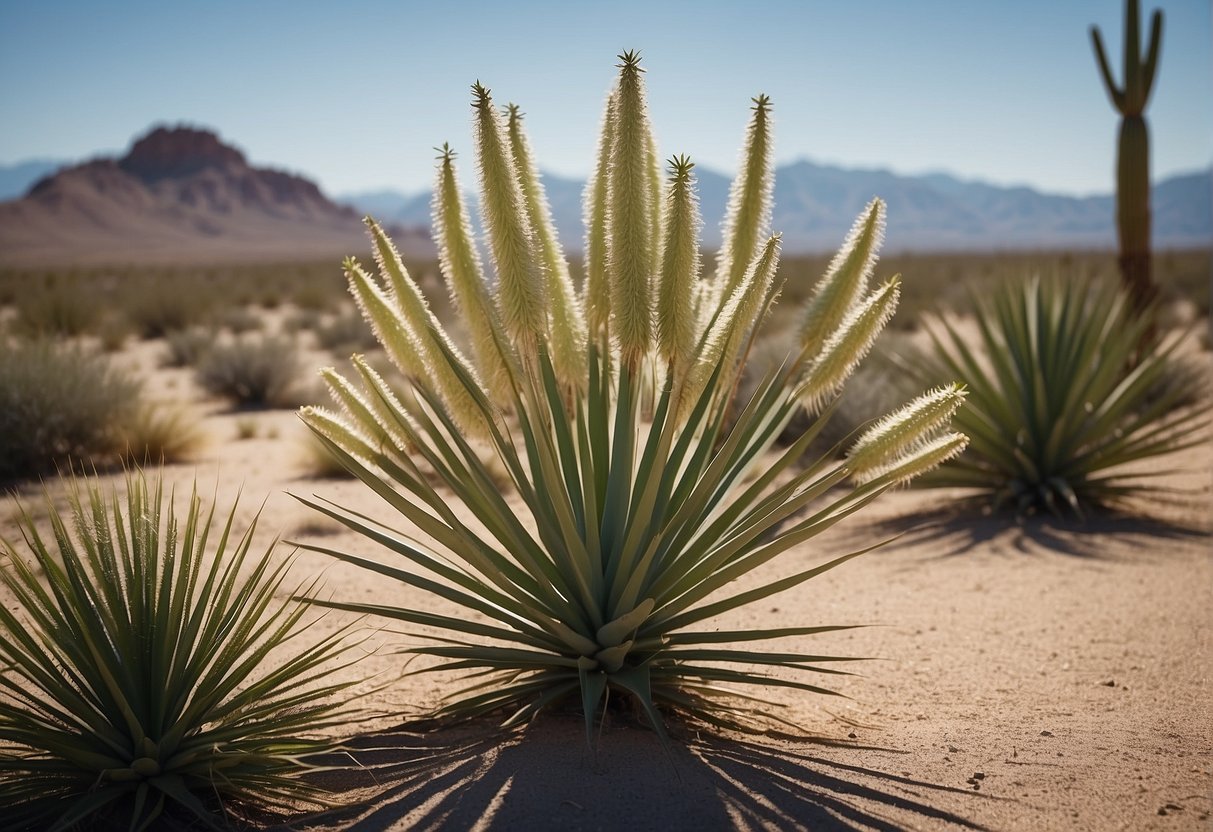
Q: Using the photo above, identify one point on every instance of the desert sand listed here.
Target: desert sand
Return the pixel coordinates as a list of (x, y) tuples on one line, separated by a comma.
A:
[(1026, 676)]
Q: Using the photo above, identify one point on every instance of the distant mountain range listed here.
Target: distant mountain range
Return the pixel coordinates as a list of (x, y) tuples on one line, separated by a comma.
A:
[(815, 205), (181, 194), (16, 179), (178, 195)]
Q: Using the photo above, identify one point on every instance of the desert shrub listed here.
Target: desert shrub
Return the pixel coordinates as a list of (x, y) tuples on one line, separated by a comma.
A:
[(1184, 276), (240, 319), (251, 372), (55, 308), (113, 332), (246, 428), (185, 347), (875, 389), (160, 434), (947, 280), (644, 490), (146, 670), (1060, 405), (59, 406), (1184, 380), (159, 304), (347, 332), (303, 319), (317, 295)]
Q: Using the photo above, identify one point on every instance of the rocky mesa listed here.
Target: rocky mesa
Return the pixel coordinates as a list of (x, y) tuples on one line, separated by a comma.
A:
[(180, 194)]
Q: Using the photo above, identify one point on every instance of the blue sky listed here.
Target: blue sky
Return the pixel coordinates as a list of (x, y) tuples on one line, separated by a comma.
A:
[(357, 94)]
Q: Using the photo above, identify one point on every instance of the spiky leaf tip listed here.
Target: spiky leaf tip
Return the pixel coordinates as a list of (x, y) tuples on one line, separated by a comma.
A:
[(630, 61)]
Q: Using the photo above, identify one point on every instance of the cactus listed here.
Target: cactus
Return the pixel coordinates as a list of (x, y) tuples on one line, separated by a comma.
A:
[(1133, 151)]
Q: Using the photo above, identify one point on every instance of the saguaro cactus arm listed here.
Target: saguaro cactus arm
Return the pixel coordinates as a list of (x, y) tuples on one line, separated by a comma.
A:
[(1131, 99), (1151, 55), (1114, 92)]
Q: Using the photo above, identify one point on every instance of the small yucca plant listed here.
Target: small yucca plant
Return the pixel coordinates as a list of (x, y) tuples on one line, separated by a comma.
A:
[(142, 666), (1066, 393), (643, 490)]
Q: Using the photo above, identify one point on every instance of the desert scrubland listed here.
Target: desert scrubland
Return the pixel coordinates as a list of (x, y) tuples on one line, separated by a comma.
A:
[(1032, 672)]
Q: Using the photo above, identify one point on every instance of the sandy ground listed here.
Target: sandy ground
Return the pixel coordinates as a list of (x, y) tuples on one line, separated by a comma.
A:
[(1030, 677), (1040, 677)]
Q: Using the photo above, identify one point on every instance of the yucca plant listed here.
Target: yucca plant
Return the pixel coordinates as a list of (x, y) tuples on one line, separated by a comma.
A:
[(641, 490), (1065, 395), (144, 663)]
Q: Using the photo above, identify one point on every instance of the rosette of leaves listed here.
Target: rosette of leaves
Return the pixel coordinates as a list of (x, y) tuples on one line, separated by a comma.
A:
[(642, 490), (145, 671), (1067, 396)]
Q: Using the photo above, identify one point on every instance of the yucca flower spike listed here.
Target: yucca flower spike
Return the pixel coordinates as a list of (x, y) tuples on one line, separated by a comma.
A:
[(680, 269)]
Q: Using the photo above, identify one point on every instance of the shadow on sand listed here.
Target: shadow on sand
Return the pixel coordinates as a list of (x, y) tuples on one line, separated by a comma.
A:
[(545, 778), (955, 530)]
